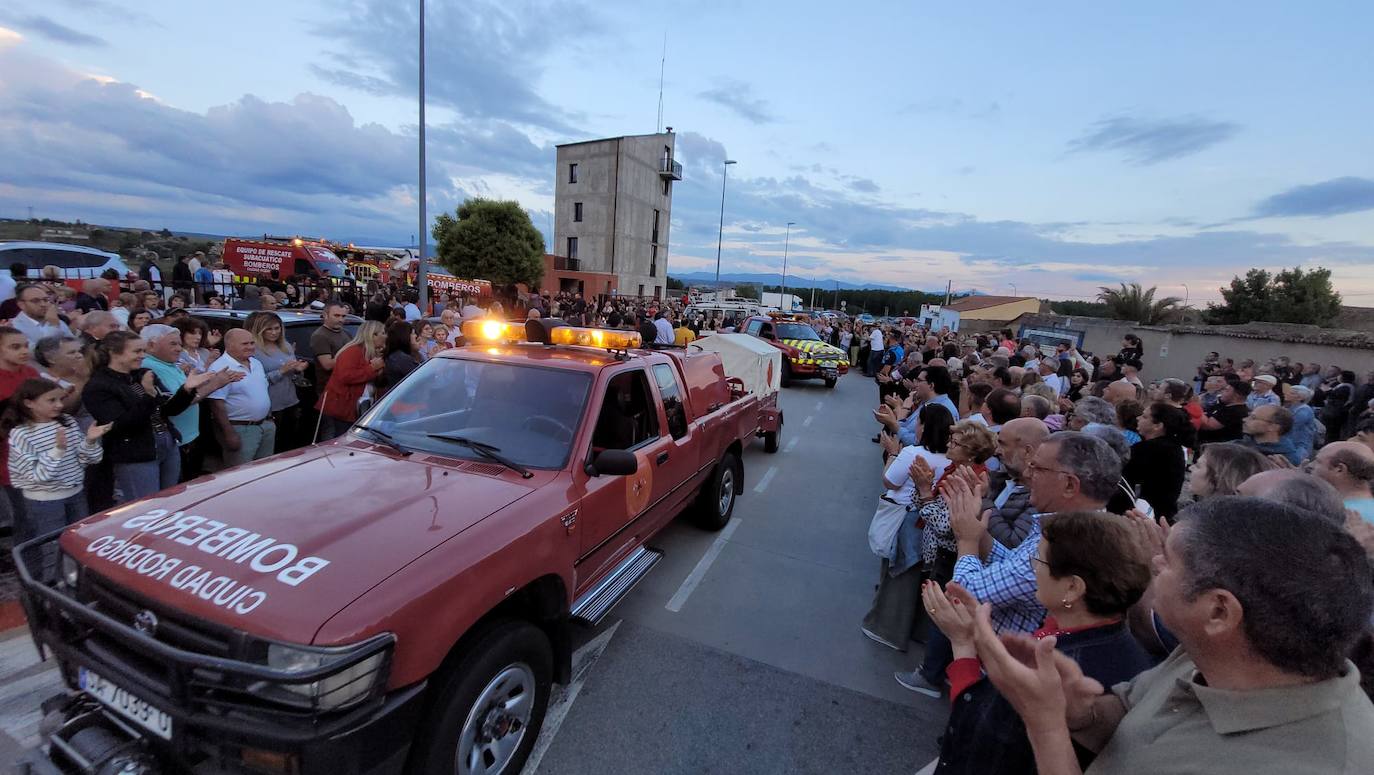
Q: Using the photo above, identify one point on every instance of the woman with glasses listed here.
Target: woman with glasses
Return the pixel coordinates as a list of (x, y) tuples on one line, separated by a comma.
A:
[(1089, 571)]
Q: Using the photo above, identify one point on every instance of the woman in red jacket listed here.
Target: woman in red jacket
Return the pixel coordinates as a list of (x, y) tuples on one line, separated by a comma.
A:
[(356, 366)]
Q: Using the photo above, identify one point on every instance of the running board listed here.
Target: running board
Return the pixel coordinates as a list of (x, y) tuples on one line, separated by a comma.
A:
[(593, 606)]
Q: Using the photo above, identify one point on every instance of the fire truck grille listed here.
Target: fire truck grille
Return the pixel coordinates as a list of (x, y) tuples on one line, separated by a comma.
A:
[(172, 628)]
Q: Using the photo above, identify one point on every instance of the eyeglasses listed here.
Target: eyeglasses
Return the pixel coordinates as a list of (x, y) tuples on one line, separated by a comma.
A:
[(1035, 558), (1033, 467)]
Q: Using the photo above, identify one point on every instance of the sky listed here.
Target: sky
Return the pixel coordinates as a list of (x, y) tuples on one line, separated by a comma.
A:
[(1036, 149)]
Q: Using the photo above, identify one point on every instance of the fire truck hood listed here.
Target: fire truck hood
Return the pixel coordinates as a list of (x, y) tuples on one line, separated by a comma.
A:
[(278, 547)]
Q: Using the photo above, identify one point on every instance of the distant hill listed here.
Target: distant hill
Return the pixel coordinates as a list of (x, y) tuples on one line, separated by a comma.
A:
[(793, 281)]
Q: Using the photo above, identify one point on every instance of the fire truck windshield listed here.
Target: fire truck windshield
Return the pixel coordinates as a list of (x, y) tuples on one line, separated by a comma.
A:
[(529, 414), (796, 331)]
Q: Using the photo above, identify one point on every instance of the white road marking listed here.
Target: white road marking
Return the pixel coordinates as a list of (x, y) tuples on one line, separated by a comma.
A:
[(791, 444), (929, 768), (704, 564), (565, 696), (807, 422), (766, 479), (819, 404)]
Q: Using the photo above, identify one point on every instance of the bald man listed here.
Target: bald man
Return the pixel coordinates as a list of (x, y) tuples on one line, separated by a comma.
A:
[(1297, 488), (1349, 467), (1119, 392), (1009, 488), (242, 410)]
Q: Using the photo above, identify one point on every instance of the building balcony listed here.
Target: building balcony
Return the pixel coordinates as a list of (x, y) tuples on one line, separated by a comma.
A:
[(564, 264), (669, 169)]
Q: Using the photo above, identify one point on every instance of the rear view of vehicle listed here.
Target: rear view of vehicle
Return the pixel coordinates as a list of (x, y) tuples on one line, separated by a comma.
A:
[(288, 257), (75, 262)]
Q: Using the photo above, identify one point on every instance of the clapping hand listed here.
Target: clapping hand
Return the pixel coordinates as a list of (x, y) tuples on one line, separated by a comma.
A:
[(952, 611), (1044, 685), (891, 444), (884, 415), (1150, 534), (149, 382), (94, 432), (922, 475), (963, 502), (892, 401), (213, 338)]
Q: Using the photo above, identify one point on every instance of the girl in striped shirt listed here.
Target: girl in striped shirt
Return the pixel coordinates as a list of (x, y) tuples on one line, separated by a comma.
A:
[(48, 459)]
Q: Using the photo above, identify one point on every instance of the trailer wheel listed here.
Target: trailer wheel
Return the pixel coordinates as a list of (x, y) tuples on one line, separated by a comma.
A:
[(770, 440), (488, 705), (716, 501)]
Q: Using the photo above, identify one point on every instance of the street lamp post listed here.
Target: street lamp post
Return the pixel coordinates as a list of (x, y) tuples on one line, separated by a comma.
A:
[(724, 173), (782, 297), (421, 271)]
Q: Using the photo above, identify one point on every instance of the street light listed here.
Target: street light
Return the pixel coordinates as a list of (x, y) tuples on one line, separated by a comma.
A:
[(1013, 288), (724, 173), (783, 296), (421, 273)]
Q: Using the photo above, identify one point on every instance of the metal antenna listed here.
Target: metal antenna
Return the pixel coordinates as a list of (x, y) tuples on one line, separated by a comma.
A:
[(662, 65)]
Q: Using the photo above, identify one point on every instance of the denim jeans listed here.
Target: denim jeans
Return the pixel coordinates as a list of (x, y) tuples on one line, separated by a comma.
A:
[(255, 443), (939, 653), (139, 480), (331, 428), (43, 517)]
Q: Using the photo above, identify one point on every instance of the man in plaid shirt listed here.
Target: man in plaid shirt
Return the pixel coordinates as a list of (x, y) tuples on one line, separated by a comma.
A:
[(1070, 471)]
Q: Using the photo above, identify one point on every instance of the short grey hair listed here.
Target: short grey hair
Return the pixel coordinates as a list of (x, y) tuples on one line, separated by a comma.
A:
[(1039, 406), (45, 350), (95, 317), (1091, 460), (1095, 410), (1113, 436), (1302, 393), (155, 331), (1312, 494)]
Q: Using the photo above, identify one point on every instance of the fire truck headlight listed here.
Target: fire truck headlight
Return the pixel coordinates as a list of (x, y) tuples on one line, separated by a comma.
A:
[(71, 571), (337, 690)]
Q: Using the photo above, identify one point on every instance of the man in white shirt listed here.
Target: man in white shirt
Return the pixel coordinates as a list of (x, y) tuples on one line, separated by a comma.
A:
[(1048, 367), (412, 310), (242, 410), (876, 345), (663, 324), (7, 286), (37, 318)]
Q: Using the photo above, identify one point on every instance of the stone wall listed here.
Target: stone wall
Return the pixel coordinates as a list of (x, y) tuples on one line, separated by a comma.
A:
[(1175, 351)]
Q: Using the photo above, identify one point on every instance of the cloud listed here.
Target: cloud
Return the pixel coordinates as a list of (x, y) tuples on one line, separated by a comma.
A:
[(738, 97), (44, 27), (114, 12), (1337, 196), (863, 185), (1151, 141), (484, 58)]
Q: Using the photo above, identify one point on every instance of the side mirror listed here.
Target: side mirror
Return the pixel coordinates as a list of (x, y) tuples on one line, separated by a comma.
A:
[(613, 462)]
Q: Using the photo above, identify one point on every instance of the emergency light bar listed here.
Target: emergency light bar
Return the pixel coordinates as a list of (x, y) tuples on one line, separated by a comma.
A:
[(493, 331), (595, 337)]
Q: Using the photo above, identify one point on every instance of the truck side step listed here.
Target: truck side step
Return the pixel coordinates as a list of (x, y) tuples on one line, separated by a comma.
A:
[(598, 601)]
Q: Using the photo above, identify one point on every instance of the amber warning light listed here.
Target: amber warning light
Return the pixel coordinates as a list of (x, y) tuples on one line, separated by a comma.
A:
[(493, 331), (595, 337)]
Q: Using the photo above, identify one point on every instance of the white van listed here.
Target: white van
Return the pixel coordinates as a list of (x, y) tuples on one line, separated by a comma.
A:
[(77, 262)]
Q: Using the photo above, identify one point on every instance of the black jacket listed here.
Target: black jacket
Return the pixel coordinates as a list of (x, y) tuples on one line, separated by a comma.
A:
[(1156, 467), (109, 396), (986, 736), (1011, 523)]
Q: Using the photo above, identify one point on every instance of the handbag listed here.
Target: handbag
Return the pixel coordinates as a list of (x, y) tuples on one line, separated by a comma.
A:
[(882, 530)]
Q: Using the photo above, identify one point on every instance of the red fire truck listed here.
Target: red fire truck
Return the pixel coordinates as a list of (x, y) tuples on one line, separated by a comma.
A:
[(287, 256), (400, 598)]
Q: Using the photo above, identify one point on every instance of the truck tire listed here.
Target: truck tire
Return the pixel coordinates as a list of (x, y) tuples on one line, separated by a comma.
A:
[(830, 384), (476, 708), (716, 502), (770, 440), (786, 380)]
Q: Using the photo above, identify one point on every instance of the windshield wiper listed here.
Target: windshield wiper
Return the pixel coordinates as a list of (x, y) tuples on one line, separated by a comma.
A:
[(385, 438), (485, 450)]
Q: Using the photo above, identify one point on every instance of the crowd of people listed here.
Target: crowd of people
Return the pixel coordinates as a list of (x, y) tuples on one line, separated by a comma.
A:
[(1119, 576)]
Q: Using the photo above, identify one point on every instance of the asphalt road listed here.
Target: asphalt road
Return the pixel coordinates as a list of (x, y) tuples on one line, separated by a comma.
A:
[(762, 668), (739, 653)]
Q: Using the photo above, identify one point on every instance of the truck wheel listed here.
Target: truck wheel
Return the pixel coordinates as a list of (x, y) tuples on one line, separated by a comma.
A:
[(830, 384), (770, 440), (716, 502), (786, 379), (489, 705)]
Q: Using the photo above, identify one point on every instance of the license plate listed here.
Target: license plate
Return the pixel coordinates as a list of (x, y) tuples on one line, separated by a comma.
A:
[(121, 701), (830, 373)]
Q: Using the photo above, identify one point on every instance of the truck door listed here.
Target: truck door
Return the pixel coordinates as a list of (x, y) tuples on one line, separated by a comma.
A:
[(627, 418), (674, 475)]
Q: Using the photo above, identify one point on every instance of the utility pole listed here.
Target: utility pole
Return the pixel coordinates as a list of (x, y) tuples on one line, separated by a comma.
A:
[(837, 294), (782, 297), (813, 293), (949, 288), (724, 173), (421, 271)]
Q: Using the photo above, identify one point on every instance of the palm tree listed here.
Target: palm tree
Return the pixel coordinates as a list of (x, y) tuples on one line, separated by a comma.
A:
[(1131, 302)]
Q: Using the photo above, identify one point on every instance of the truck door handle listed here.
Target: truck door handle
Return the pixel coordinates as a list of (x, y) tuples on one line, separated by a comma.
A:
[(662, 458)]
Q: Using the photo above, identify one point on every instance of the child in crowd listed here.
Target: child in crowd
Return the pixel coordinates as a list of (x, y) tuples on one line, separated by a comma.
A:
[(47, 461)]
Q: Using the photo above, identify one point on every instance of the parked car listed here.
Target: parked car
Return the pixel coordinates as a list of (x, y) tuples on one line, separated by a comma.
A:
[(77, 262)]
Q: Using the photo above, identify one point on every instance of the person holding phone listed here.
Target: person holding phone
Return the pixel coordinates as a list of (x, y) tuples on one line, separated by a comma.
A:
[(284, 374)]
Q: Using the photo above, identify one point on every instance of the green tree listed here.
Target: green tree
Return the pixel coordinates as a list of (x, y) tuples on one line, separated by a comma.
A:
[(1291, 296), (1077, 308), (675, 284), (491, 240), (1131, 302)]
